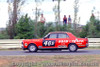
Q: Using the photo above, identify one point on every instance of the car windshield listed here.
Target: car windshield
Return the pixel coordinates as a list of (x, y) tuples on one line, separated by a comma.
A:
[(46, 36)]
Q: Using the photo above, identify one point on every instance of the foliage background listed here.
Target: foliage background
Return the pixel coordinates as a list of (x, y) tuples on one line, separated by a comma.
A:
[(25, 29)]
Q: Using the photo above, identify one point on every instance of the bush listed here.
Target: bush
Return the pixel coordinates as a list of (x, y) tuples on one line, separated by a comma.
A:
[(4, 35)]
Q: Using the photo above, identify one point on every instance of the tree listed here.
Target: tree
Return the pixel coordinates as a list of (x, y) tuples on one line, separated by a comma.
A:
[(42, 29), (76, 8), (3, 34), (25, 28), (92, 28), (84, 31), (14, 8), (37, 14)]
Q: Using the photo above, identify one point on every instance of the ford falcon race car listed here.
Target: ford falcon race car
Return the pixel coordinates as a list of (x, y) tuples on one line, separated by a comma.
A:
[(55, 41)]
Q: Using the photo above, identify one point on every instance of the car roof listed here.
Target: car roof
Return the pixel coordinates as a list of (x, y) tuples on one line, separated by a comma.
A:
[(59, 32), (70, 34)]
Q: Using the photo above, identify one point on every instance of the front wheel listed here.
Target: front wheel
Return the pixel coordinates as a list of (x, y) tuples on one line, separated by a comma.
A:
[(32, 48), (72, 47)]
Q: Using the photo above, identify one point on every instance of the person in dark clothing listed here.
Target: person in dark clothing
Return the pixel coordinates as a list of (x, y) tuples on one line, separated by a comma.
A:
[(65, 20)]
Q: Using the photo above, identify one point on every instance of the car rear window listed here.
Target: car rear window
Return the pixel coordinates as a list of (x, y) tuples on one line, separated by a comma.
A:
[(62, 35)]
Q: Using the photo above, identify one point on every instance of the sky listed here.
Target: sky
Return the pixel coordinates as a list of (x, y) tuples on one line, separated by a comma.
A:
[(85, 8)]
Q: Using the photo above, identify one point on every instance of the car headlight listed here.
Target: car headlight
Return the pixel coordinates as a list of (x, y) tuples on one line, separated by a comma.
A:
[(26, 44), (22, 43)]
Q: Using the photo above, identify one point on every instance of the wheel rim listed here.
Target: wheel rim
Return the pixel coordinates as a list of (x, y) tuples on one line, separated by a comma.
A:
[(32, 48), (72, 47)]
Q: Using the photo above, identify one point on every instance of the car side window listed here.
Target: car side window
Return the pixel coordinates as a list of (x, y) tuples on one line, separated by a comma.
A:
[(53, 36), (62, 35)]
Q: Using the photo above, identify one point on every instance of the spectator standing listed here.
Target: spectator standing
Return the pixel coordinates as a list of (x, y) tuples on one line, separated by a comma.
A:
[(42, 19), (65, 20), (69, 20)]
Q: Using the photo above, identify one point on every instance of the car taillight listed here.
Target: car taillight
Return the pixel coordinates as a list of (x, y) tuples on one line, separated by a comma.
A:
[(86, 40)]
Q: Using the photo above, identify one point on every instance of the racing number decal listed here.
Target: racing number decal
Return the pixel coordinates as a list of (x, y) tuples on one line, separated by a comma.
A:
[(49, 43)]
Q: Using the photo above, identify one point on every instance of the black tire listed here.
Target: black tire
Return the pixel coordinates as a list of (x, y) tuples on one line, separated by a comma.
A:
[(72, 47), (32, 48)]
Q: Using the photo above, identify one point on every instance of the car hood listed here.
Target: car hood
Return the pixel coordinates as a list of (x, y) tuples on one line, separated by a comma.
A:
[(32, 40)]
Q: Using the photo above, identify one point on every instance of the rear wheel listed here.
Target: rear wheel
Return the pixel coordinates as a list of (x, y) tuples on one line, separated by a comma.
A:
[(72, 47), (32, 48)]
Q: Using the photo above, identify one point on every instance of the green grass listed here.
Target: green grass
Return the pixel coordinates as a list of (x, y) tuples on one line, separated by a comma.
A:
[(93, 47), (10, 49)]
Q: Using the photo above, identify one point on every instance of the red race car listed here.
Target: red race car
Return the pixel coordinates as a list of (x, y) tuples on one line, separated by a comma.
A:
[(55, 41)]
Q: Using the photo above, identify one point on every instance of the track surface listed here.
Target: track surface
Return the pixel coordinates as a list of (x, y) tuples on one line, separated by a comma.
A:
[(47, 52)]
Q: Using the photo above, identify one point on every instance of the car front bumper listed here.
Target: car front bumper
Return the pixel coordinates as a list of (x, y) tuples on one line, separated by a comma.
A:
[(23, 47)]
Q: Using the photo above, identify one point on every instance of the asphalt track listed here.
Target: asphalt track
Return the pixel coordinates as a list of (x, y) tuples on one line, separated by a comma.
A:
[(47, 52)]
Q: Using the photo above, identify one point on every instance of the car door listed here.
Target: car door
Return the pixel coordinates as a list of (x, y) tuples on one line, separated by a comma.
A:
[(50, 41), (62, 40)]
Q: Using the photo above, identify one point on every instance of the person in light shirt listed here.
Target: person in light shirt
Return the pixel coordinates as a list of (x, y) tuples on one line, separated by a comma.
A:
[(69, 20), (42, 19)]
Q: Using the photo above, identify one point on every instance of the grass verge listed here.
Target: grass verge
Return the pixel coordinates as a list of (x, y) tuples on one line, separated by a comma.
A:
[(51, 61)]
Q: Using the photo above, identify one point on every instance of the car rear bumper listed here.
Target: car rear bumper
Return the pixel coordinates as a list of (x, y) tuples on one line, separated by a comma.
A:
[(87, 45), (84, 46)]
